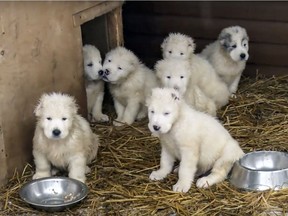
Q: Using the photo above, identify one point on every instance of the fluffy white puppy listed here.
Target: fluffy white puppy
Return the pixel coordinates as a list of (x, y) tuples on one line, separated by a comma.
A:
[(93, 82), (62, 138), (177, 45), (228, 55), (130, 82), (176, 73), (198, 140)]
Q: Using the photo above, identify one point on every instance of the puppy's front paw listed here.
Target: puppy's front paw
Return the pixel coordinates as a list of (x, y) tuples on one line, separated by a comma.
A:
[(38, 175), (203, 182), (79, 178), (117, 123), (234, 96), (181, 186), (157, 175), (101, 118)]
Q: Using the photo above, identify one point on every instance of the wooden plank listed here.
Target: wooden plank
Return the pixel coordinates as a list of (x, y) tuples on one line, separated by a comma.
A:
[(265, 54), (267, 70), (115, 28), (97, 10), (269, 11), (265, 32)]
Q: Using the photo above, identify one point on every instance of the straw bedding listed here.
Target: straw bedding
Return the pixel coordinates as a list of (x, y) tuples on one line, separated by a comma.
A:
[(119, 184)]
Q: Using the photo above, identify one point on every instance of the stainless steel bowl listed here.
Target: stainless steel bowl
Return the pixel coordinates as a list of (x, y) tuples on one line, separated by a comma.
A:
[(261, 170), (53, 193)]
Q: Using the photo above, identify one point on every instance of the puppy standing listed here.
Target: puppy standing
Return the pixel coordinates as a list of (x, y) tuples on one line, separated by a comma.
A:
[(94, 84), (176, 73), (62, 138), (198, 140), (130, 82), (181, 46), (228, 55)]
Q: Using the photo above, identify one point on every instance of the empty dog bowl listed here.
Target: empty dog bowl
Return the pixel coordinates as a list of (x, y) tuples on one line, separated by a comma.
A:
[(261, 170), (53, 193)]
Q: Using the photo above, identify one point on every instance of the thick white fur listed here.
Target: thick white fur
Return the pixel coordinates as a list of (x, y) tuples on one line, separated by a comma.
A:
[(181, 46), (198, 140), (93, 82), (228, 64), (130, 82), (72, 147), (176, 73)]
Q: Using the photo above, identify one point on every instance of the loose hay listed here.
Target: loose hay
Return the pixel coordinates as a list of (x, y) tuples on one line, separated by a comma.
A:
[(119, 184)]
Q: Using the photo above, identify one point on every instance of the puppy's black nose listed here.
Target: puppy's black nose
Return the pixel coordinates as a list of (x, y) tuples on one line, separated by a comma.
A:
[(156, 128), (242, 55), (100, 72), (107, 72), (56, 132)]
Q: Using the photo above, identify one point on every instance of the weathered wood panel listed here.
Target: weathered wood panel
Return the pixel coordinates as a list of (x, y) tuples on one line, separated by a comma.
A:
[(260, 53), (40, 51), (265, 32), (147, 23), (265, 11)]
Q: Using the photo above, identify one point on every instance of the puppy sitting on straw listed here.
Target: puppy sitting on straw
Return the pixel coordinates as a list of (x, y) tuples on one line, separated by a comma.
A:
[(194, 138), (62, 138)]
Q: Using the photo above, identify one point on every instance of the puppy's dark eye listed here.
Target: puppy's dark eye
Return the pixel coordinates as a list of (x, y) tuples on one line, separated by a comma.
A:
[(152, 111), (181, 53), (109, 60), (170, 51), (119, 68), (234, 46), (49, 118), (166, 113), (64, 119), (90, 64), (168, 77), (181, 77)]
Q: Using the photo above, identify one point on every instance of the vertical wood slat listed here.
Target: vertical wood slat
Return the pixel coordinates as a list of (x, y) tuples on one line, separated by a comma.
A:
[(115, 28)]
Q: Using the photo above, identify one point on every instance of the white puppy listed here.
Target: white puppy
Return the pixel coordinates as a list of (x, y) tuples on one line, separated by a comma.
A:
[(93, 82), (130, 82), (228, 55), (62, 138), (181, 46), (198, 140), (176, 73)]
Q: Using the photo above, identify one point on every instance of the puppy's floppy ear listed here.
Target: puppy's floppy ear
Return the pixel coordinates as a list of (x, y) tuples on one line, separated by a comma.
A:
[(175, 95), (148, 100), (191, 45), (158, 68), (224, 38), (39, 106), (163, 45), (73, 105)]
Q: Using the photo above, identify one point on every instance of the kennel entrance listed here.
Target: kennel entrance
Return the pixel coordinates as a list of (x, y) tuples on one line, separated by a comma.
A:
[(41, 51)]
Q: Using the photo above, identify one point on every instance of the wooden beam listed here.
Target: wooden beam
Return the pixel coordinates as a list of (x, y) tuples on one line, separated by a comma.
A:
[(97, 10)]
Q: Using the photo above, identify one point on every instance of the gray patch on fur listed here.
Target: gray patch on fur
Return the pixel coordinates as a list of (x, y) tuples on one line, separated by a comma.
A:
[(226, 40)]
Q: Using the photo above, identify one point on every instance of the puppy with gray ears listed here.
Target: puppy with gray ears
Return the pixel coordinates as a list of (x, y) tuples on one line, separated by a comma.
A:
[(62, 138), (228, 55), (93, 82)]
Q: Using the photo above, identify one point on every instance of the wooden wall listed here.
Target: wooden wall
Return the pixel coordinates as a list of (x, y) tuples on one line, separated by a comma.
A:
[(41, 52), (146, 24)]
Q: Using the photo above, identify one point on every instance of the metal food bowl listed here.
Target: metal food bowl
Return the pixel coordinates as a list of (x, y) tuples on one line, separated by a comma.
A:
[(53, 193), (261, 170)]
